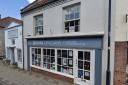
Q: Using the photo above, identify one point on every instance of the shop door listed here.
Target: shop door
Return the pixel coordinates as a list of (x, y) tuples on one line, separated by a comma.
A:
[(85, 67)]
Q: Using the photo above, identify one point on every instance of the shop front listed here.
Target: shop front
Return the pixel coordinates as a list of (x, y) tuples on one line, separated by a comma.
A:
[(77, 58)]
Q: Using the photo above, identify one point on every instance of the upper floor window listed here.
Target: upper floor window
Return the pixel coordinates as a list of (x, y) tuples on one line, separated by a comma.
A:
[(72, 18), (39, 25)]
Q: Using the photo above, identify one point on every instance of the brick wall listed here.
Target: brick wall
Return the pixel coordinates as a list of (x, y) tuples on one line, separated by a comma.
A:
[(120, 63), (57, 76)]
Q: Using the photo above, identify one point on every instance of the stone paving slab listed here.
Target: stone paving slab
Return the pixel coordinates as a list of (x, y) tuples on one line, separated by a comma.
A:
[(15, 76)]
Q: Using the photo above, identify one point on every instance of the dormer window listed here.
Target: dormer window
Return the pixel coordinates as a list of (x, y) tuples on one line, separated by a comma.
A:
[(72, 18), (38, 25)]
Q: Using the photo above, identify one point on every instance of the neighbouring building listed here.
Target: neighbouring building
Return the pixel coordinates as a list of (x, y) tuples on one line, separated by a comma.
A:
[(67, 39), (5, 23), (13, 44)]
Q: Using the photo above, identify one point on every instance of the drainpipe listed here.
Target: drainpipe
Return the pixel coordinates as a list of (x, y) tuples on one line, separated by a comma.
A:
[(108, 72), (23, 43)]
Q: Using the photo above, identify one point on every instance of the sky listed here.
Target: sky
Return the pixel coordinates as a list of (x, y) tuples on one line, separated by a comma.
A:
[(12, 7)]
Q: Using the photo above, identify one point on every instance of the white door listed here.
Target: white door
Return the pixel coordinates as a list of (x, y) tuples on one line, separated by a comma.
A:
[(85, 65)]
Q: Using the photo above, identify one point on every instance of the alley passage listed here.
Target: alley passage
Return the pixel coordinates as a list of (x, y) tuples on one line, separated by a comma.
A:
[(15, 76)]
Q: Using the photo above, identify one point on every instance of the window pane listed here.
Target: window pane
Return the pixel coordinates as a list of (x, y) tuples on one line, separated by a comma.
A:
[(80, 64), (64, 53), (80, 55), (59, 68), (44, 51), (86, 75), (52, 52), (59, 53), (52, 59), (87, 56), (48, 51), (80, 74), (59, 61), (86, 65)]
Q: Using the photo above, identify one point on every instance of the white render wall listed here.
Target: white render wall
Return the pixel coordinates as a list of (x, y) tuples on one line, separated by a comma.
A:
[(17, 45), (93, 18), (121, 27)]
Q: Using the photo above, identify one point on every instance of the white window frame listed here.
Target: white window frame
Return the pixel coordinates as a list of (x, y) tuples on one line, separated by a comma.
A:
[(73, 28), (36, 28)]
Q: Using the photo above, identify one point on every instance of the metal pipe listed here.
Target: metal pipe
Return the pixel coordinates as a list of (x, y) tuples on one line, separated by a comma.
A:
[(108, 72)]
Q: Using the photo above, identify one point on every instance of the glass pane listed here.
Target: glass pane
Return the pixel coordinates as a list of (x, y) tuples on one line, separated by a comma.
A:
[(70, 62), (87, 56), (52, 67), (59, 53), (52, 59), (64, 69), (80, 64), (72, 23), (45, 65), (86, 75), (48, 66), (86, 65), (52, 52), (70, 54), (48, 51), (33, 51), (48, 59), (70, 71), (36, 51), (59, 68), (59, 61), (44, 51), (80, 55), (64, 53), (64, 61), (76, 28), (80, 74), (77, 15), (44, 58), (66, 24), (39, 51)]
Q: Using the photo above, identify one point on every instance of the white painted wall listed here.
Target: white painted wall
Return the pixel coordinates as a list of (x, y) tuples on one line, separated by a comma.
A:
[(18, 42), (121, 26)]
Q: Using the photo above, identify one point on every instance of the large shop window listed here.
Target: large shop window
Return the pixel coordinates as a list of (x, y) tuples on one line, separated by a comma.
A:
[(72, 18), (36, 56), (62, 61), (49, 59), (65, 61), (39, 24)]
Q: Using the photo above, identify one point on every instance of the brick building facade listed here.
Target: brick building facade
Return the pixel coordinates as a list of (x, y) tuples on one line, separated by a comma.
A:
[(120, 63)]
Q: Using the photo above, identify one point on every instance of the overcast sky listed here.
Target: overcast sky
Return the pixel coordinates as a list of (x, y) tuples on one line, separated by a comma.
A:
[(12, 7)]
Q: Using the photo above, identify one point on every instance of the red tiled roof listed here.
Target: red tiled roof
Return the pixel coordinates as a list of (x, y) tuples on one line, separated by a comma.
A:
[(36, 4), (4, 22)]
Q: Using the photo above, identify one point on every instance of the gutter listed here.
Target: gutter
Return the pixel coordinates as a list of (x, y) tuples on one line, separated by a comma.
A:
[(108, 72)]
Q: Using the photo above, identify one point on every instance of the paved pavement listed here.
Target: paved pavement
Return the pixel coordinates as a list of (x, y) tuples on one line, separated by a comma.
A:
[(15, 76)]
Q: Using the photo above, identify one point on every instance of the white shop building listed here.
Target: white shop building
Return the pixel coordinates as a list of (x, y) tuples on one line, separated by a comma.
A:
[(13, 44)]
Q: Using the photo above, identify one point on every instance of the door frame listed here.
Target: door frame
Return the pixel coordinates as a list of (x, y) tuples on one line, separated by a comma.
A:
[(92, 65)]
